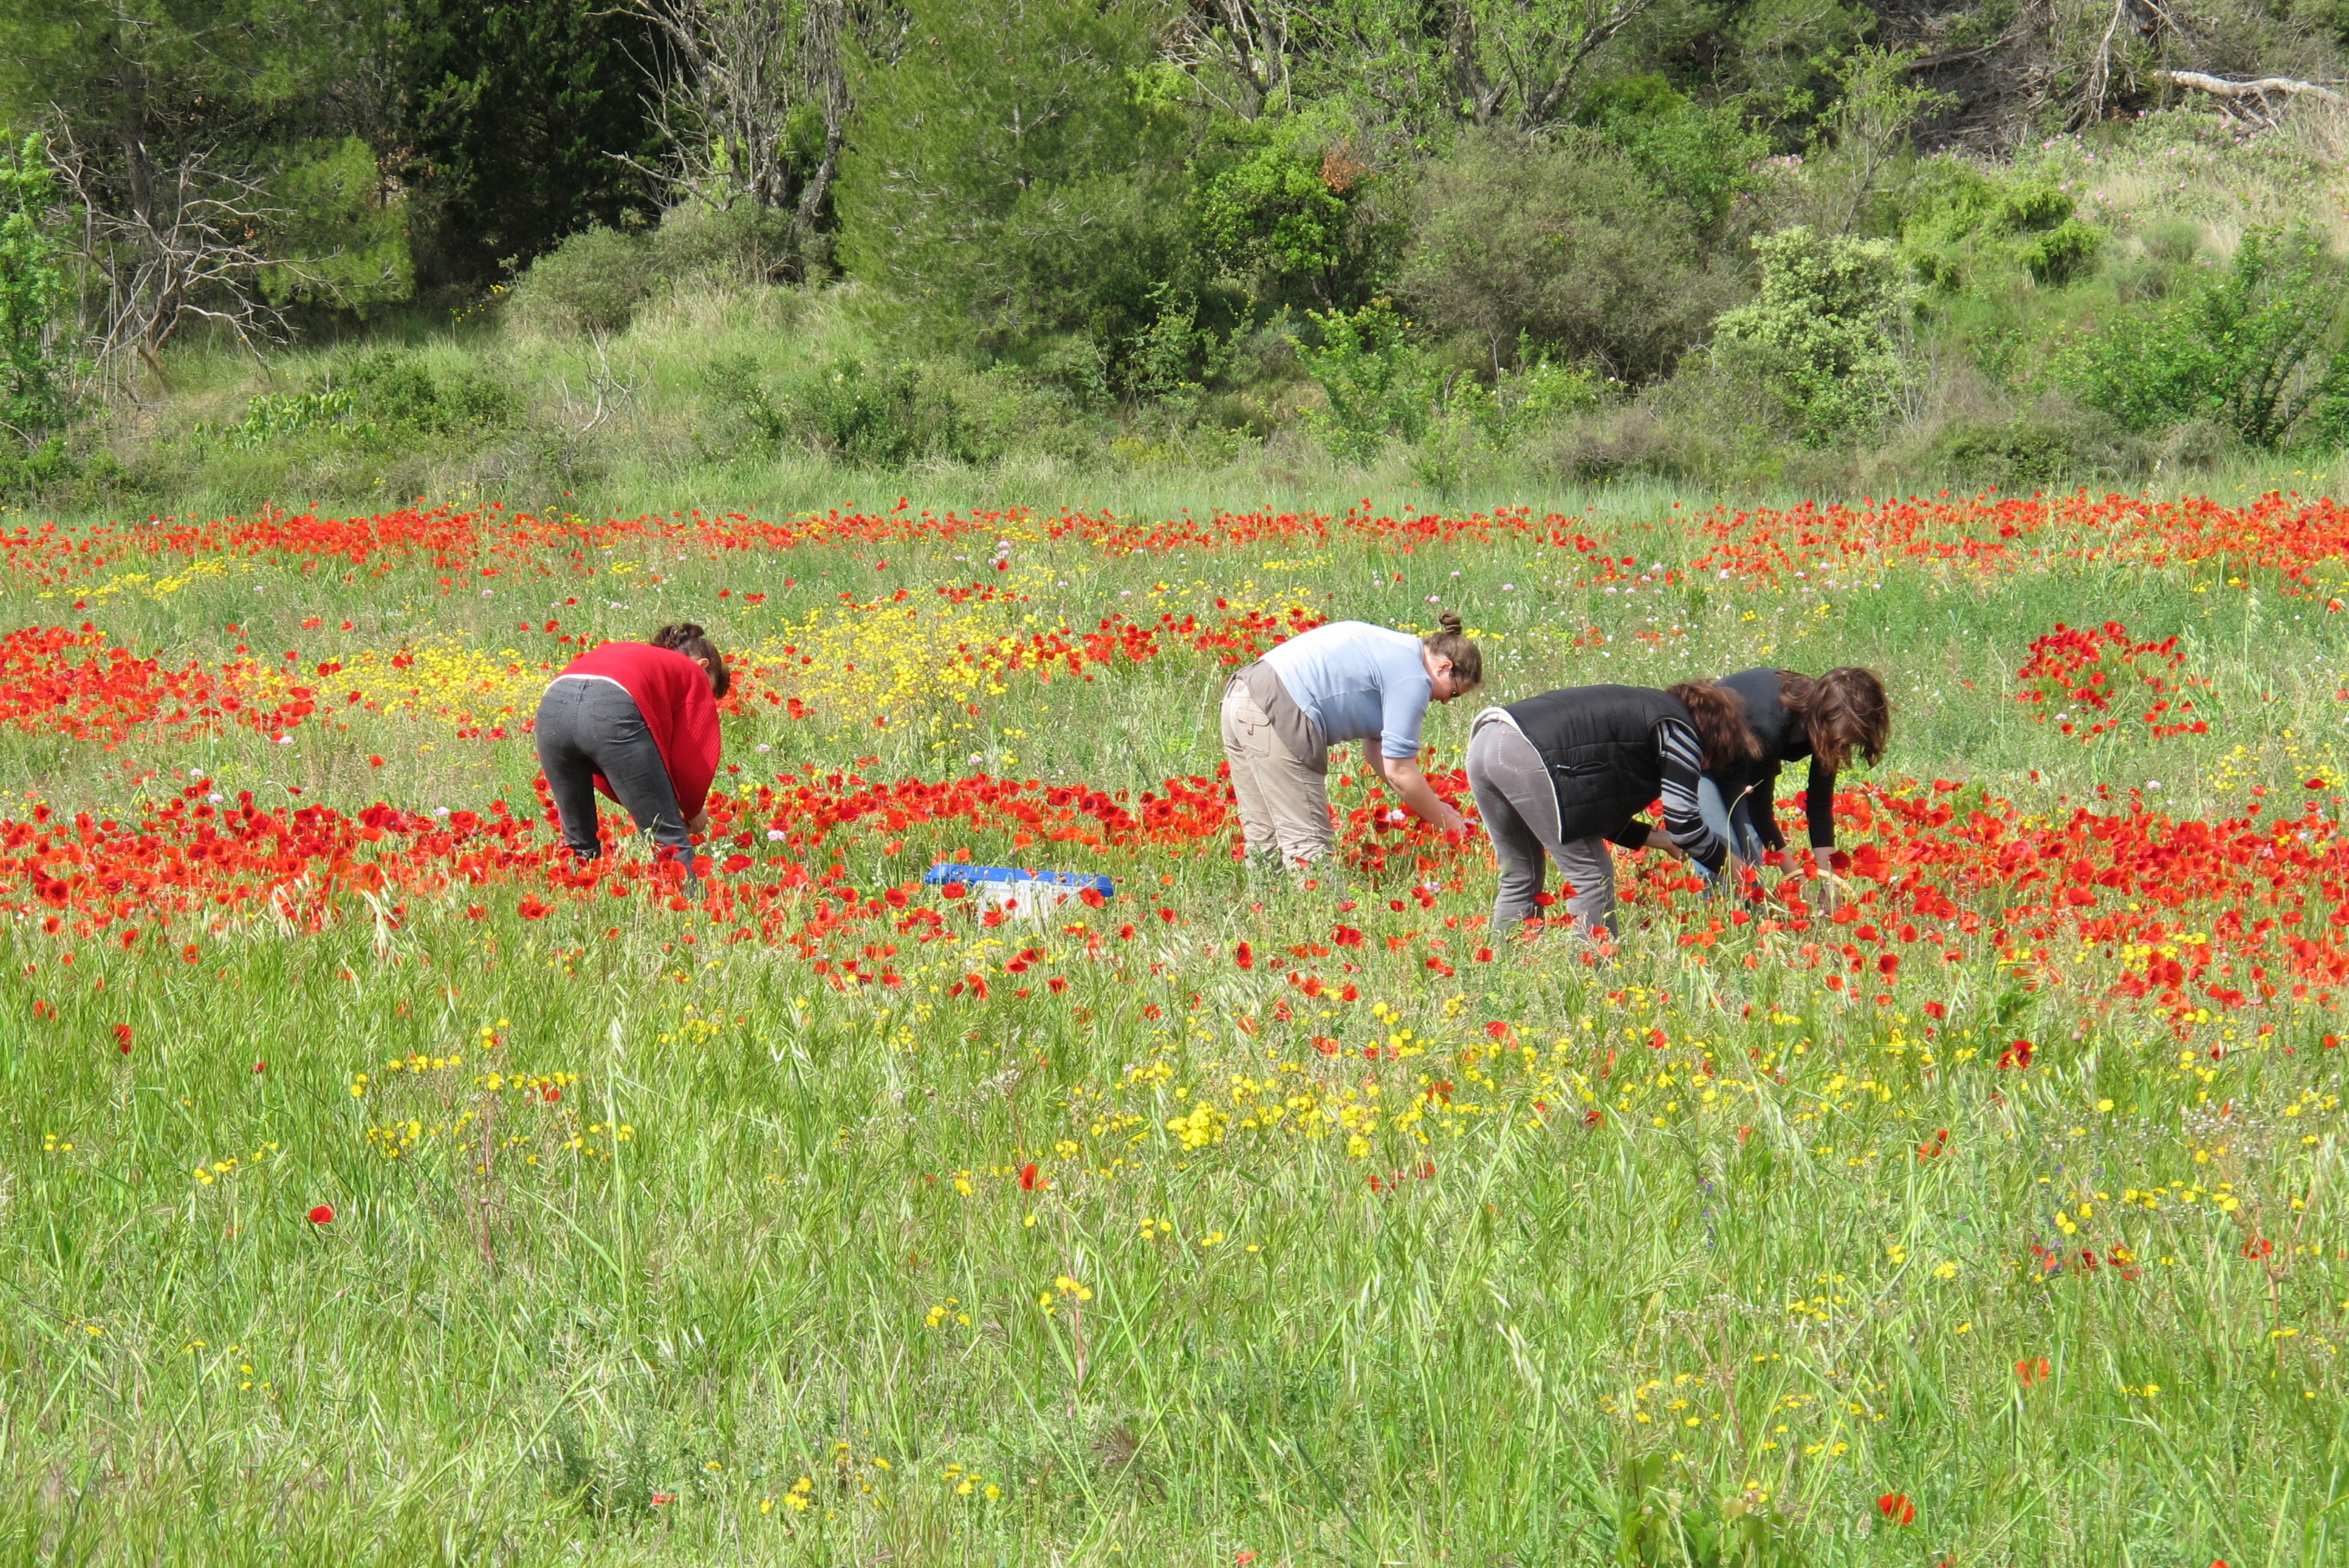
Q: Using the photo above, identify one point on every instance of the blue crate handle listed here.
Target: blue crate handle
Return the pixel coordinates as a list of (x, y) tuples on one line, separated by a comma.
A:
[(953, 872)]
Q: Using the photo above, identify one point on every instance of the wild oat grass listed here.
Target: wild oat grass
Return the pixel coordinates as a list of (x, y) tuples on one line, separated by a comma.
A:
[(1240, 1219)]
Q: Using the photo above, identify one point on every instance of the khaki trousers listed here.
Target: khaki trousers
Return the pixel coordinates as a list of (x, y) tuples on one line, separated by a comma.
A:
[(1283, 803)]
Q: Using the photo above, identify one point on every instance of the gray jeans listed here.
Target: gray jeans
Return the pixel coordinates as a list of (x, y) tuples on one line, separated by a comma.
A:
[(1519, 805), (588, 726)]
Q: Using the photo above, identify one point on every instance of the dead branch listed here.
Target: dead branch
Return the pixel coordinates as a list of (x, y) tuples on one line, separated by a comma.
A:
[(187, 248), (735, 74), (2262, 99)]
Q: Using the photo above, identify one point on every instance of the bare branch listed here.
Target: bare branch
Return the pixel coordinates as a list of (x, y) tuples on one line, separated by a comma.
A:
[(2262, 99), (186, 248)]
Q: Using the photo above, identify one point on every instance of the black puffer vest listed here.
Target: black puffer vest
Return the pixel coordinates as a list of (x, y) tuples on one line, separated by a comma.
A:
[(1599, 743), (1784, 739)]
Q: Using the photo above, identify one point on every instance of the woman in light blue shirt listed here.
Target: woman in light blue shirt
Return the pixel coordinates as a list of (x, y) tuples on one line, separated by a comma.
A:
[(1346, 681)]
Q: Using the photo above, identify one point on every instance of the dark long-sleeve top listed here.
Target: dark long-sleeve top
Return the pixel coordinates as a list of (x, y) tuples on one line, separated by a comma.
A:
[(1784, 739), (1683, 762)]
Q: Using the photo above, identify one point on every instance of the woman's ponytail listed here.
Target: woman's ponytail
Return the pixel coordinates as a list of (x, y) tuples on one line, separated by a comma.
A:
[(1722, 731), (687, 637), (1451, 641)]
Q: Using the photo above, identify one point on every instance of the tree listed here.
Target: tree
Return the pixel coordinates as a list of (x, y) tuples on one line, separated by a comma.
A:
[(753, 105), (522, 119), (1563, 245), (182, 128), (1426, 66), (1012, 176), (34, 396)]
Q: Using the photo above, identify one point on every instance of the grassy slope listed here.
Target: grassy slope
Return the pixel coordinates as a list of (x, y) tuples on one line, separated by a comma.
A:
[(769, 1279)]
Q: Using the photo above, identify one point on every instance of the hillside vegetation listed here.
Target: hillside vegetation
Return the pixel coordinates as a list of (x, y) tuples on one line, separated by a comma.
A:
[(1782, 246)]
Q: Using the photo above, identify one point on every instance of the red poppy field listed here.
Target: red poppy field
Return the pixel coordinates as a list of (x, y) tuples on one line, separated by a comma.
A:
[(376, 1186)]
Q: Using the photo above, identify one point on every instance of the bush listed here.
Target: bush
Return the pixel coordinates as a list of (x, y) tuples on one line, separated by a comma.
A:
[(1278, 205), (29, 474), (1562, 246), (2055, 442), (1965, 227), (744, 244), (1819, 339), (1375, 382), (888, 414), (593, 281), (2253, 349), (398, 392), (1701, 158)]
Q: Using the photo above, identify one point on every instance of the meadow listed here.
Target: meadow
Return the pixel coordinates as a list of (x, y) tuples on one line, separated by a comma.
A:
[(377, 1188)]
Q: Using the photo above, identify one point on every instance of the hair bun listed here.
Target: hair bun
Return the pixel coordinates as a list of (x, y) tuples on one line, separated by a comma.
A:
[(1451, 621)]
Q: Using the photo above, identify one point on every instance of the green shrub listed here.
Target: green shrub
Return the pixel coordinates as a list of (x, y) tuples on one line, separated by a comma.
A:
[(1175, 357), (1279, 205), (1702, 157), (887, 414), (2254, 348), (1965, 228), (398, 392), (34, 379), (2055, 442), (276, 416), (1819, 339), (28, 474), (1375, 382), (593, 281), (744, 244), (1563, 246)]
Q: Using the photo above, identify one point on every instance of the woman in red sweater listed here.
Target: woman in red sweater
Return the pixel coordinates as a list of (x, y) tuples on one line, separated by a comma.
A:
[(639, 722)]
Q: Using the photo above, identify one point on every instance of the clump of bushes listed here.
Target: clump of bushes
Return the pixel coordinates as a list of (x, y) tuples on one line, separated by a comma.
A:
[(2254, 348)]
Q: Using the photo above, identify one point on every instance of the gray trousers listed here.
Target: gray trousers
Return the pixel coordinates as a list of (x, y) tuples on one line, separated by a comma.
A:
[(588, 726), (1519, 805)]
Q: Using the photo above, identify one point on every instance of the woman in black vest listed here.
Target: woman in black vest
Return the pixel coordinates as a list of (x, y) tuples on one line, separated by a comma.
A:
[(1567, 771), (1840, 715)]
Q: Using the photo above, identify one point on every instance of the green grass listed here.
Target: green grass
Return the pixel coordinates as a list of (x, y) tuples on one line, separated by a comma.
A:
[(503, 1357)]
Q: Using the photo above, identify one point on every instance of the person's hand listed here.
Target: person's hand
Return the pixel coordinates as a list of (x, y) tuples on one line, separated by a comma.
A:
[(700, 824), (1452, 822), (1825, 892)]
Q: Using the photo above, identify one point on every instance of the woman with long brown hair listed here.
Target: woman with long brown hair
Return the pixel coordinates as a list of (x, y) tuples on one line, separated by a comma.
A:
[(1832, 719), (1564, 773)]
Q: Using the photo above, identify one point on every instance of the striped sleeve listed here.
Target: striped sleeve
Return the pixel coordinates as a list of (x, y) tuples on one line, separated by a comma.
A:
[(1684, 764)]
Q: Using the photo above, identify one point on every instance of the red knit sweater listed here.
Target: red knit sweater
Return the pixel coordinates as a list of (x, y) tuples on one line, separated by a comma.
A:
[(673, 694)]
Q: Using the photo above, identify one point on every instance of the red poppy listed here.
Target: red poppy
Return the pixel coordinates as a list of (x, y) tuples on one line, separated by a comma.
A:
[(1244, 955), (1896, 1507), (123, 1037), (2031, 1370), (324, 1215), (2016, 1055), (1029, 1180), (531, 908), (2259, 1247)]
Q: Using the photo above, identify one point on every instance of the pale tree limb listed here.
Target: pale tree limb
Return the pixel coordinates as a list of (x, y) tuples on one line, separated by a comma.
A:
[(190, 248), (1247, 38), (2262, 99)]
